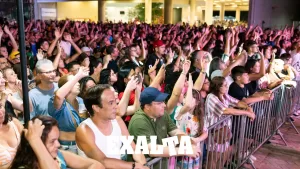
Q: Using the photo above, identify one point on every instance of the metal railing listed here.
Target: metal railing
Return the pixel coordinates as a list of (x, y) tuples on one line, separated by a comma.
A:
[(232, 140)]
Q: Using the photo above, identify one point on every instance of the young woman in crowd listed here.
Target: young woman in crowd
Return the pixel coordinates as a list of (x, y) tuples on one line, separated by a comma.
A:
[(217, 105), (256, 70), (39, 149), (108, 76), (190, 119), (64, 106), (85, 84), (10, 131)]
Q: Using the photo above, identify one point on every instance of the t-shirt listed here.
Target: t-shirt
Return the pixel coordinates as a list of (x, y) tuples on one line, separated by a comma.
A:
[(67, 47), (151, 61), (113, 64), (63, 115), (142, 125), (239, 93), (296, 61), (40, 99)]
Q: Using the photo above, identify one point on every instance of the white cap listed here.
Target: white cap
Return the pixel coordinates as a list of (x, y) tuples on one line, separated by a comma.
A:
[(216, 73), (86, 49)]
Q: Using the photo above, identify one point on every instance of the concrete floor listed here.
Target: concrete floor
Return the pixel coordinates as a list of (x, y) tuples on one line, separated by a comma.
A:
[(278, 156)]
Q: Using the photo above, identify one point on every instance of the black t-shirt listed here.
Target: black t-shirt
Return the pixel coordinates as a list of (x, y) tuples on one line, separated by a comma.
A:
[(113, 64), (239, 93), (195, 73), (151, 61)]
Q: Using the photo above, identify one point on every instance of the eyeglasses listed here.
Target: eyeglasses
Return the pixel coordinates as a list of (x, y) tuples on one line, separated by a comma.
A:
[(49, 72), (2, 63)]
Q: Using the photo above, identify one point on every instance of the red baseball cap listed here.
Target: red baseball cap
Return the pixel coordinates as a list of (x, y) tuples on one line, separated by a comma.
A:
[(158, 43)]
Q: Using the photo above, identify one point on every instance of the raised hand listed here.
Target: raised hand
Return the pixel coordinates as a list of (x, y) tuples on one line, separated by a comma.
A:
[(6, 30), (40, 54), (153, 68), (132, 84), (186, 66), (34, 130), (171, 55), (83, 72), (57, 33), (140, 85)]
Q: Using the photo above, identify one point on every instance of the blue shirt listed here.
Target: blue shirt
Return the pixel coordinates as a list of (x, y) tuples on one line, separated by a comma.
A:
[(40, 99), (63, 115)]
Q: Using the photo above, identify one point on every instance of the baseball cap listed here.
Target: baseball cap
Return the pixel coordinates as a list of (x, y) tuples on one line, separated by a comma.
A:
[(13, 55), (216, 73), (158, 43), (86, 49), (151, 94)]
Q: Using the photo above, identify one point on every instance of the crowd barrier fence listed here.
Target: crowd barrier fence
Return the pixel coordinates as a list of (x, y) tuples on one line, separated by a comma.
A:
[(232, 140)]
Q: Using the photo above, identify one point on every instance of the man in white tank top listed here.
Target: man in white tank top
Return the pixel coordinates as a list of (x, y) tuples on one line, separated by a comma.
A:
[(91, 134)]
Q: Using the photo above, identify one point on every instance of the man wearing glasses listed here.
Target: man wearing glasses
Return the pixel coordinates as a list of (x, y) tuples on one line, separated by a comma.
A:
[(41, 94)]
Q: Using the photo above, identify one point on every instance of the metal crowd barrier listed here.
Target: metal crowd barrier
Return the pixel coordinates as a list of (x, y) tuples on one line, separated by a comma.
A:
[(232, 140)]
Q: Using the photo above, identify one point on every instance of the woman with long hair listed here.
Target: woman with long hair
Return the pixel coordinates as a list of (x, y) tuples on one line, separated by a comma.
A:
[(256, 70), (39, 148), (10, 130), (190, 119), (65, 107), (218, 104), (85, 84), (108, 76)]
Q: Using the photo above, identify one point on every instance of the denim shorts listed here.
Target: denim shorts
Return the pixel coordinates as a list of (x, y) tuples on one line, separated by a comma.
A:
[(69, 146)]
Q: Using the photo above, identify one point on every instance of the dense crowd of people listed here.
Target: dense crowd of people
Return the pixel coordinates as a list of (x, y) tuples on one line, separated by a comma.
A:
[(91, 80)]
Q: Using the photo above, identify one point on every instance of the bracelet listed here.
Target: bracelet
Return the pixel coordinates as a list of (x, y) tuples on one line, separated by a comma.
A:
[(133, 165), (183, 73)]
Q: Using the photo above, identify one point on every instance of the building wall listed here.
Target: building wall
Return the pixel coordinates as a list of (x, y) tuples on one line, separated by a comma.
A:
[(78, 10), (87, 10), (275, 13)]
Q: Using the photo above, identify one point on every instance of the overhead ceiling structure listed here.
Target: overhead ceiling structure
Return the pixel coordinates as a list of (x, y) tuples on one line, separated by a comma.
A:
[(233, 3)]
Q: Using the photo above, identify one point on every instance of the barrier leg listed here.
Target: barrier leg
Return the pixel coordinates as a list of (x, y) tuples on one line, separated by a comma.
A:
[(251, 163), (293, 125), (281, 136)]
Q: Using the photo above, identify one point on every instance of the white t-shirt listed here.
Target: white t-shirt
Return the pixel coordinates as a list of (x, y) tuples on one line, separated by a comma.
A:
[(67, 47), (296, 62)]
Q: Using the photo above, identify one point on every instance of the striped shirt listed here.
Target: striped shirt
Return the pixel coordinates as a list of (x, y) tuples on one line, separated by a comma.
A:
[(214, 107), (213, 113)]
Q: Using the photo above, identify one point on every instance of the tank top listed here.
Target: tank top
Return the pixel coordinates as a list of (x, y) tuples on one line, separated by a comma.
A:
[(8, 153), (61, 160), (100, 138)]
